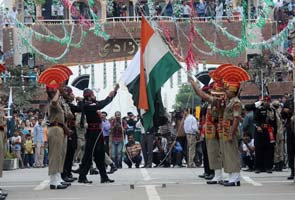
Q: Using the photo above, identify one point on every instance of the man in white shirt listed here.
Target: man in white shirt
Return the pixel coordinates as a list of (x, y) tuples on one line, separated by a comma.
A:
[(186, 10), (190, 129), (248, 152), (160, 150), (60, 11), (219, 10)]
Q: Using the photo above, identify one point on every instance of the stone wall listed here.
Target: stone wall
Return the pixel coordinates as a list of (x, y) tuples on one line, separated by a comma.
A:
[(121, 45)]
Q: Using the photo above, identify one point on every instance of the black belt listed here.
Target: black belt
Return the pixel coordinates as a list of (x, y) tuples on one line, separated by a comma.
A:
[(95, 126), (56, 124)]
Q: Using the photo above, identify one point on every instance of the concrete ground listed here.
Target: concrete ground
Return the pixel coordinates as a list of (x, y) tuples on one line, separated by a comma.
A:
[(148, 184)]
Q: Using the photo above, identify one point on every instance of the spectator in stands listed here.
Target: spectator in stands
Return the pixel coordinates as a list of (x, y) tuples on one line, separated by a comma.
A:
[(27, 15), (186, 10), (158, 10), (169, 9), (145, 9), (137, 9), (201, 8), (219, 10), (210, 9), (253, 12), (131, 8), (60, 11), (116, 9), (123, 10)]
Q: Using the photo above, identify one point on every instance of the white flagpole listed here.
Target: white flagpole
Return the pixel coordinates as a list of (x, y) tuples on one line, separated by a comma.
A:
[(9, 103)]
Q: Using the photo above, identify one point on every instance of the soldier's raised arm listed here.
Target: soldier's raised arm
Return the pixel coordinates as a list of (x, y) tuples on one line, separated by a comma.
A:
[(199, 92)]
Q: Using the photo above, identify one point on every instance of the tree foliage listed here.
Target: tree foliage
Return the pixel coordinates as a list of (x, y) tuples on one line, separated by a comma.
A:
[(186, 97), (23, 89)]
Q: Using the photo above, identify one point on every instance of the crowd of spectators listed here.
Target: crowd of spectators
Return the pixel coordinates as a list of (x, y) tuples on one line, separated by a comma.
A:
[(203, 8), (27, 139), (170, 145)]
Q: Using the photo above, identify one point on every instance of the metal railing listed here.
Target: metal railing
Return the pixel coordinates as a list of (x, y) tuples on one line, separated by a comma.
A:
[(138, 18)]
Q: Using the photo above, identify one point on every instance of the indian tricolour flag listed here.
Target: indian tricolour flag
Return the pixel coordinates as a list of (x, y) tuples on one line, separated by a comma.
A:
[(150, 68)]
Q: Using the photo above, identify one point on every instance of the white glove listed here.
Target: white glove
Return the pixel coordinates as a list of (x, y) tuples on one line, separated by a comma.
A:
[(258, 103)]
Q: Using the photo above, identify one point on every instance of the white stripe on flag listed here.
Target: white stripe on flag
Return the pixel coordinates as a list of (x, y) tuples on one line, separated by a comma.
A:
[(133, 69), (153, 53)]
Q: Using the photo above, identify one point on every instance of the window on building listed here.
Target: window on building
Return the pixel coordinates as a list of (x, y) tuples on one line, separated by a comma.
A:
[(179, 77), (104, 75), (114, 73)]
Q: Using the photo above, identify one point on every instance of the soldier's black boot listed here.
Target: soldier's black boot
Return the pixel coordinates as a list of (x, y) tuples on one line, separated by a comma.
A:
[(113, 168), (107, 180), (291, 177), (83, 179), (3, 194), (280, 166)]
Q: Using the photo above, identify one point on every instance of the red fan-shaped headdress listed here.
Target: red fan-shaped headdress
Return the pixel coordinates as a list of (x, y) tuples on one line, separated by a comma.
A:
[(53, 77), (233, 76), (64, 68), (218, 80)]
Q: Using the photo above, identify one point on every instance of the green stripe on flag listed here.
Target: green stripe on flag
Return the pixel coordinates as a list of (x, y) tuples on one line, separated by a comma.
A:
[(160, 73)]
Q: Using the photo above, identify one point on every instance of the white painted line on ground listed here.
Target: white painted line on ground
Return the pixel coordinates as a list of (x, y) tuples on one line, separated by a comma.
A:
[(276, 181), (57, 198), (145, 174), (143, 186), (86, 185), (17, 186), (152, 192), (251, 181), (150, 189), (64, 198), (42, 185)]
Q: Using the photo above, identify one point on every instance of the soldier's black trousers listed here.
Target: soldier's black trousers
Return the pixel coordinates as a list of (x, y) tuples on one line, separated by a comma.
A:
[(71, 148), (97, 148), (290, 151), (264, 151), (207, 169)]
